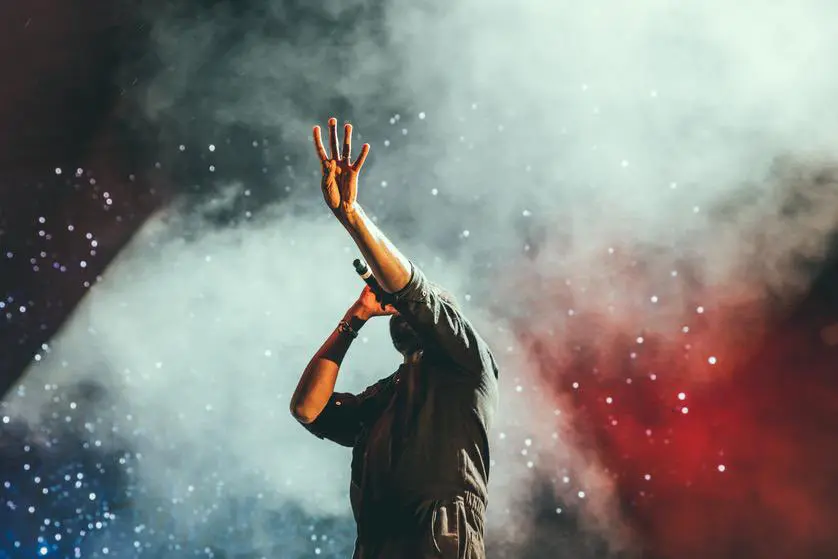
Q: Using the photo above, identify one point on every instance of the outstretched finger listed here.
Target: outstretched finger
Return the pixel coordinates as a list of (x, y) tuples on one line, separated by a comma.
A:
[(365, 149), (347, 141), (318, 144), (333, 138)]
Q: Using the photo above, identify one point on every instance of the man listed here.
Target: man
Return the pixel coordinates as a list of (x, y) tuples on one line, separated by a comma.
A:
[(420, 458)]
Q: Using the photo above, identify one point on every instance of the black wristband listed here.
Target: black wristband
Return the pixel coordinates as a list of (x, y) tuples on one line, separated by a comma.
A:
[(345, 328), (356, 323)]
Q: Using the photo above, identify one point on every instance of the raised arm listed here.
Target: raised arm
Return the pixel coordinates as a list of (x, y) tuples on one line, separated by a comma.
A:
[(340, 190), (432, 316)]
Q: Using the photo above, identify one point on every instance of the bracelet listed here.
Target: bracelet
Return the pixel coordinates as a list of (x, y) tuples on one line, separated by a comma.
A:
[(345, 328)]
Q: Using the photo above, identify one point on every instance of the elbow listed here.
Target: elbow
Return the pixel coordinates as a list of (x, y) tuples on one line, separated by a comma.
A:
[(302, 413)]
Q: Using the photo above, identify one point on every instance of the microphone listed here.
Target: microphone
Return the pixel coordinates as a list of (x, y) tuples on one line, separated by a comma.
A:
[(363, 270)]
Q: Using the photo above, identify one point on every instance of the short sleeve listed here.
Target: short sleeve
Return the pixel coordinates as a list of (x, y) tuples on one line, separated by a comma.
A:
[(345, 415), (340, 420)]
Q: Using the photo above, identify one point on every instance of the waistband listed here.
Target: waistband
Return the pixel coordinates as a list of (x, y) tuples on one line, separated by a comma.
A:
[(384, 520)]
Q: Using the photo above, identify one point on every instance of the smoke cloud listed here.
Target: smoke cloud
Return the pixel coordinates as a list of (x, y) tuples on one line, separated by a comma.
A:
[(572, 171)]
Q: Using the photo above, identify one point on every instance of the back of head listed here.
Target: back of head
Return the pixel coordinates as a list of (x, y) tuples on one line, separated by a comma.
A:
[(405, 339)]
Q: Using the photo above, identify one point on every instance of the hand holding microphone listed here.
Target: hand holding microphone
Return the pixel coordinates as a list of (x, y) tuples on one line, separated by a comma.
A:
[(374, 300)]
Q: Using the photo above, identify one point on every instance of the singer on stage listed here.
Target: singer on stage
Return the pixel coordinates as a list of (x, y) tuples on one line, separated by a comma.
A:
[(419, 438)]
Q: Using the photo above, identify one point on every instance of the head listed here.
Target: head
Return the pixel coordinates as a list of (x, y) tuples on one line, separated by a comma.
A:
[(405, 339)]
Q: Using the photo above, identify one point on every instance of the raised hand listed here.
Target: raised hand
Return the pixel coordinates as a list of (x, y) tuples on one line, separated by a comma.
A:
[(340, 174)]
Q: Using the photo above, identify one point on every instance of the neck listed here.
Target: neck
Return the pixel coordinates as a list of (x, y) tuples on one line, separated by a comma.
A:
[(413, 357)]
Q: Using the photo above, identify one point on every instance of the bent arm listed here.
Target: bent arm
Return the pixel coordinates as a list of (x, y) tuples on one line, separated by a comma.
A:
[(317, 383)]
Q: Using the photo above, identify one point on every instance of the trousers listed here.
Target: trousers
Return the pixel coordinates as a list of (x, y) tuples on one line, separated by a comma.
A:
[(452, 529)]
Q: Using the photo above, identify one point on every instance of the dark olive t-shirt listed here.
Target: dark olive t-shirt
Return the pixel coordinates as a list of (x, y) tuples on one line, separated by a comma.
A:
[(420, 434)]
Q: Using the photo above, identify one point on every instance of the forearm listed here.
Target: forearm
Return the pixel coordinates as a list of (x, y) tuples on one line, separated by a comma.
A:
[(317, 383), (389, 266)]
